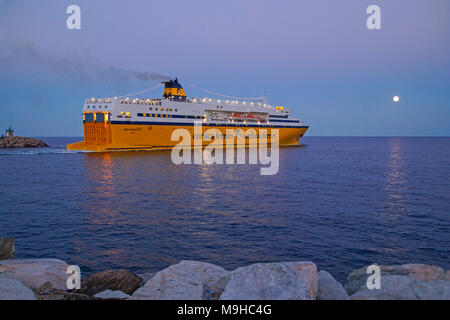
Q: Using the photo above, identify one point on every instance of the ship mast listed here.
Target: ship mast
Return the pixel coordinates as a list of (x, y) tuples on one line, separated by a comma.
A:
[(266, 98)]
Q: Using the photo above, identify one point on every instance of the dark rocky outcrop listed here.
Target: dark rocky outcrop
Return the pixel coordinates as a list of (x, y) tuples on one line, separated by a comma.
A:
[(6, 248), (122, 280), (21, 142)]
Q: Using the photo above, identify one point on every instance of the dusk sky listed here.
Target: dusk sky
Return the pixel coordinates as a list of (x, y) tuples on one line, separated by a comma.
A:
[(316, 57)]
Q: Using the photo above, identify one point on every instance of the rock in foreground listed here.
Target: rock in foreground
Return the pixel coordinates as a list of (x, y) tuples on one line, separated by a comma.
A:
[(122, 280), (422, 272), (21, 142), (273, 281), (187, 280), (397, 287), (329, 288), (6, 248), (34, 273), (112, 294), (14, 289)]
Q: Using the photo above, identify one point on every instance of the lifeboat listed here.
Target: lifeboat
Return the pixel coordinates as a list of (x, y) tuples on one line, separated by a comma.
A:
[(239, 115)]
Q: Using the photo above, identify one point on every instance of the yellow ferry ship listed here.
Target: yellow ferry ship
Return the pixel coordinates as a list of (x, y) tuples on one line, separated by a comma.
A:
[(117, 124)]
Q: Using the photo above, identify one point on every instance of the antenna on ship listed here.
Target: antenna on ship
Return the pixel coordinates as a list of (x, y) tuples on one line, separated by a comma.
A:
[(266, 98)]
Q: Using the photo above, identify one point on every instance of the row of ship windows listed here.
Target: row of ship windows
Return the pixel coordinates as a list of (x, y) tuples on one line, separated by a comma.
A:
[(93, 107), (127, 115), (101, 116), (162, 109), (151, 108), (147, 102)]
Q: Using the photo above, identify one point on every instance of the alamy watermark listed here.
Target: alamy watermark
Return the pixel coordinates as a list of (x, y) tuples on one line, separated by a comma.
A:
[(213, 153), (73, 22), (74, 279), (374, 280), (374, 20)]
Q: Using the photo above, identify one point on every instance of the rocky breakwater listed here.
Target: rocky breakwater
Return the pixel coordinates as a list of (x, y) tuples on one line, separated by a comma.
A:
[(193, 280), (21, 142)]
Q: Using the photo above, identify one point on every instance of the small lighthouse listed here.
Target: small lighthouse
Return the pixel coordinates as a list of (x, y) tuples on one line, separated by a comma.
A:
[(9, 132)]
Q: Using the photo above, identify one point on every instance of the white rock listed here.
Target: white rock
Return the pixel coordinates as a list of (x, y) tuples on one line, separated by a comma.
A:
[(273, 281), (433, 290), (392, 288), (187, 280), (35, 272), (329, 288), (405, 288), (422, 272), (14, 289), (112, 294)]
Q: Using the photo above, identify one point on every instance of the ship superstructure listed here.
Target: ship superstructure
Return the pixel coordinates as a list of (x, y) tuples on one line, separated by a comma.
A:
[(146, 124)]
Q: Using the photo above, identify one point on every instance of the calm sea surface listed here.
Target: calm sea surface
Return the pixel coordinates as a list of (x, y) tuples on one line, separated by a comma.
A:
[(340, 202)]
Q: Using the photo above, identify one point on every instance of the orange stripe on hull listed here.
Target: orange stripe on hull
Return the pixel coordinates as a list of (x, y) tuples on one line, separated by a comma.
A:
[(100, 137)]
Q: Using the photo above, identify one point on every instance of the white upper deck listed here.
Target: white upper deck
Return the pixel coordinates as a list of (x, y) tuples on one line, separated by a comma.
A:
[(210, 110)]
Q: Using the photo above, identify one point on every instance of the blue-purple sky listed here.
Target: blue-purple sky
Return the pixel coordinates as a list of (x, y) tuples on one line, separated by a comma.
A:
[(316, 57)]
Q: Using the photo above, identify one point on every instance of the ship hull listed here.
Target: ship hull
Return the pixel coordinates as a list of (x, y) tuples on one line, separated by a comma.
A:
[(107, 137)]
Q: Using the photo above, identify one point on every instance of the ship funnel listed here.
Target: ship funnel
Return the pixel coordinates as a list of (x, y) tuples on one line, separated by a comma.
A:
[(174, 90)]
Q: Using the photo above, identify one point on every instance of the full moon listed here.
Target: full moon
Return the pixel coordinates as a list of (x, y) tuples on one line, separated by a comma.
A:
[(396, 98)]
